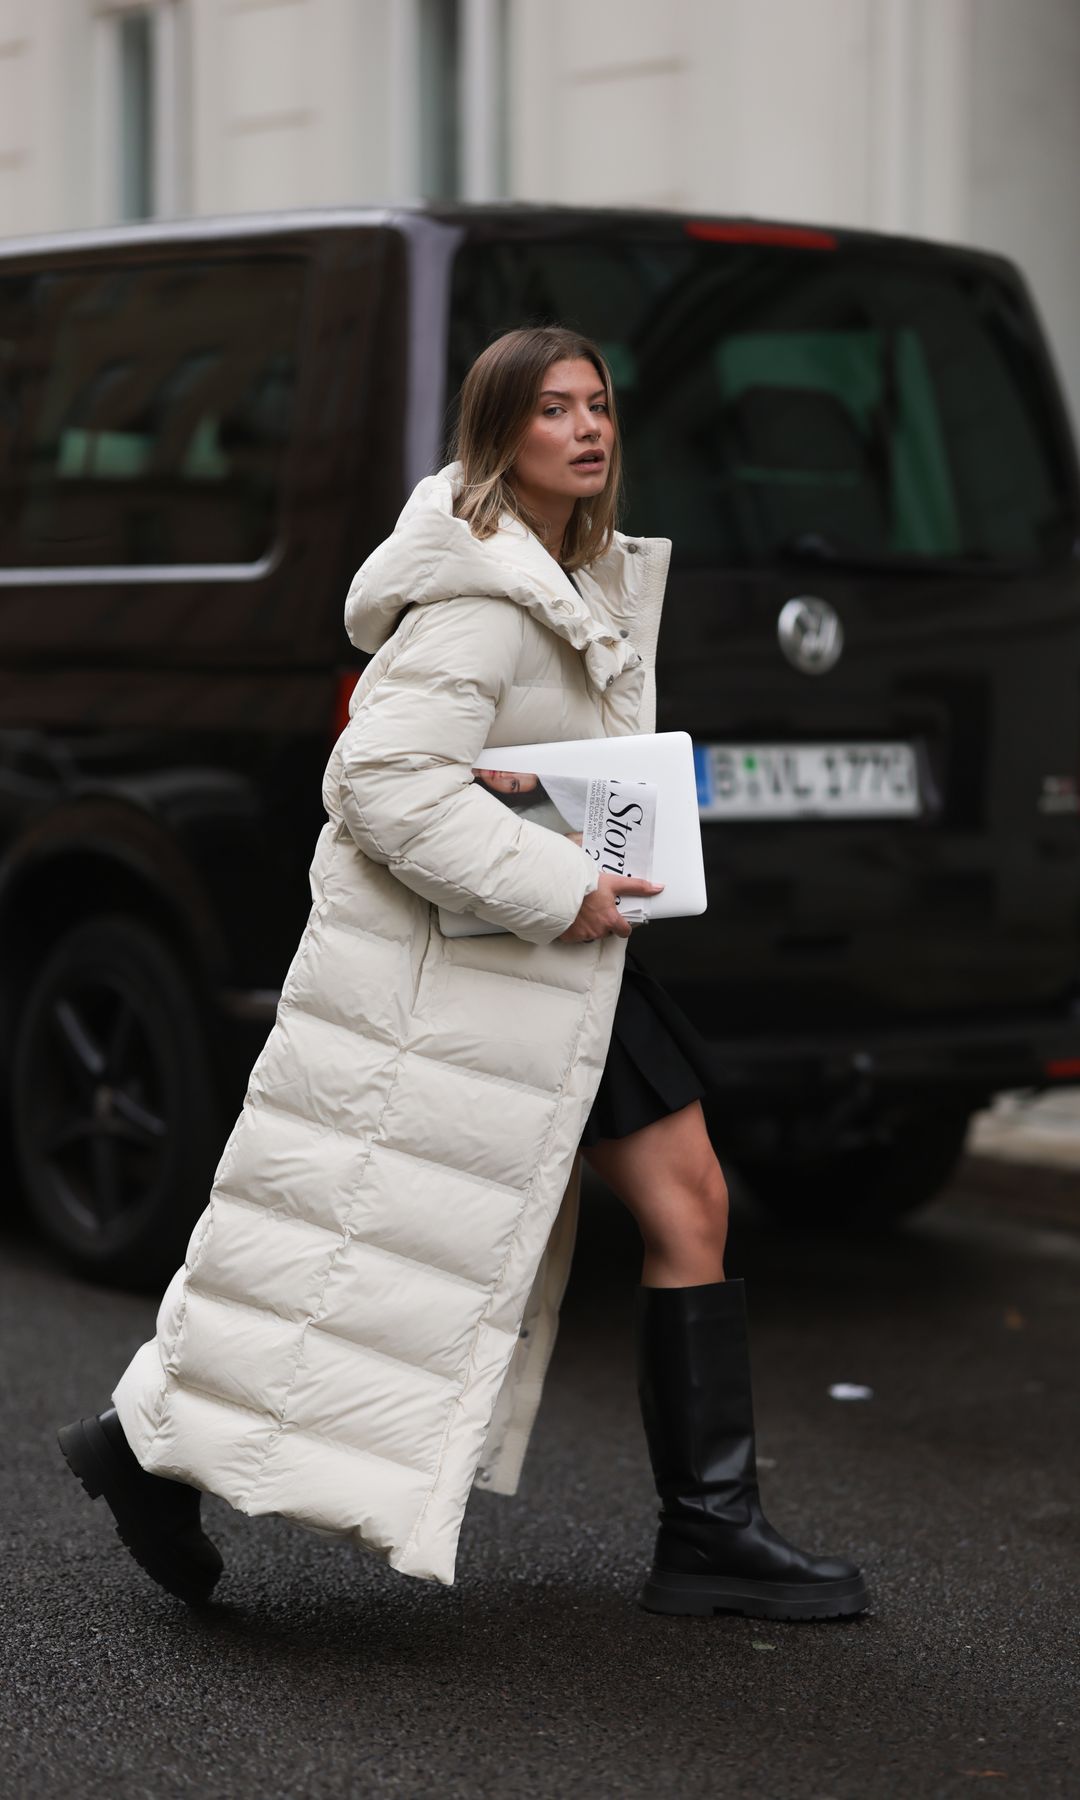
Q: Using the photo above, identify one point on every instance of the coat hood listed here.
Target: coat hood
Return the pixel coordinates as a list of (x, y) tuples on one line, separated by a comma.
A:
[(431, 555)]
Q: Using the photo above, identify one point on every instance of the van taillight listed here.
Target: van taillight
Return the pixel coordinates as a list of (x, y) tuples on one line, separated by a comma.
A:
[(795, 237), (346, 681), (1063, 1068)]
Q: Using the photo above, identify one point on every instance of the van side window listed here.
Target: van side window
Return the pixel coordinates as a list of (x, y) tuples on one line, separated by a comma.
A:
[(147, 411)]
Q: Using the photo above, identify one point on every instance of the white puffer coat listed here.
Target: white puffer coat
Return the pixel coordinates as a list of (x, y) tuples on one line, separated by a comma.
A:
[(368, 1304)]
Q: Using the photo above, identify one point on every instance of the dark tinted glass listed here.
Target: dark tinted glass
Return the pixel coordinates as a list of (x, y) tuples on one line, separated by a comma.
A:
[(778, 400), (146, 411)]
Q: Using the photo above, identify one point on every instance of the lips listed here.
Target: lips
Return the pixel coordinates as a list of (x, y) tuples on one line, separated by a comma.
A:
[(590, 459)]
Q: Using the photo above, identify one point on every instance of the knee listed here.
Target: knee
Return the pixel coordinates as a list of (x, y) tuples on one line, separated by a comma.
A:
[(711, 1194), (697, 1222)]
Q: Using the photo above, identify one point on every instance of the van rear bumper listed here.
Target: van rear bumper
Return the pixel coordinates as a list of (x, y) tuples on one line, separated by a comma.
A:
[(968, 1061)]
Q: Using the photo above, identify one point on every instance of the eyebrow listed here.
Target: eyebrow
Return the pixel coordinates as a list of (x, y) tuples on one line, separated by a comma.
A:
[(557, 393)]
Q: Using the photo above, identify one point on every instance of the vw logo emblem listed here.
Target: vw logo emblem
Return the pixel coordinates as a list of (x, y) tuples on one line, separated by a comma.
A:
[(810, 633)]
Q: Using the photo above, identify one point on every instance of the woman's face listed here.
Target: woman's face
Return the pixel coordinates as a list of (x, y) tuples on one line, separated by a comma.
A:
[(567, 449), (505, 781)]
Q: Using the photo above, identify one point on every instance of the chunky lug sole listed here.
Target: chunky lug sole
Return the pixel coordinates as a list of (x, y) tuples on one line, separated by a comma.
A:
[(91, 1458), (703, 1595)]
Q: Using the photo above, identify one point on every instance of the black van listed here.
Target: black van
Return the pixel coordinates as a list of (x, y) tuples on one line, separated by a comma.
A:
[(872, 630)]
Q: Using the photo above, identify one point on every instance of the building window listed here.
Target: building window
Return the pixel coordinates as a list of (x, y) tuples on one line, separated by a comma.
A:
[(439, 99), (136, 49), (139, 111), (456, 86)]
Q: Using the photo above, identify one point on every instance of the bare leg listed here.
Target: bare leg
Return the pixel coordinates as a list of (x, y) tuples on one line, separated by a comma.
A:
[(668, 1176)]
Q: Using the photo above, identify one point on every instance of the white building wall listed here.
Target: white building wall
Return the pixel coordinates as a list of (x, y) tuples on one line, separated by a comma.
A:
[(1025, 156), (289, 103), (597, 97), (953, 119), (783, 123), (853, 112), (948, 118)]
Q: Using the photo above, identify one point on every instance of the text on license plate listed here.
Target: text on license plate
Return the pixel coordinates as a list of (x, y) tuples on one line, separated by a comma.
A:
[(791, 781)]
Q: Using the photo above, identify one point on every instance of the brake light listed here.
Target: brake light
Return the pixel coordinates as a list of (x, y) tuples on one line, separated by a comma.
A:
[(793, 237), (343, 692), (1063, 1068)]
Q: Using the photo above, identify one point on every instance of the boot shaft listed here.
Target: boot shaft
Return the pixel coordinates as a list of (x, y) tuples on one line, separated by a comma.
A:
[(696, 1401)]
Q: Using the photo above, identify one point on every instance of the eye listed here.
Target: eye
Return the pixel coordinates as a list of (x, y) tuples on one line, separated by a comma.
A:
[(600, 406), (549, 411)]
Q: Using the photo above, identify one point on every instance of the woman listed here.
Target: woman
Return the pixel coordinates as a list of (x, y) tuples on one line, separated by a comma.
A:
[(367, 1308)]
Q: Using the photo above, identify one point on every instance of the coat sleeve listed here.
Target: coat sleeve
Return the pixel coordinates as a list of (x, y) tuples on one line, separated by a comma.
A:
[(407, 792)]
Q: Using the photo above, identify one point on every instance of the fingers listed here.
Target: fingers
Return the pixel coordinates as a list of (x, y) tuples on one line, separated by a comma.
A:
[(636, 884), (616, 925), (618, 928), (604, 921)]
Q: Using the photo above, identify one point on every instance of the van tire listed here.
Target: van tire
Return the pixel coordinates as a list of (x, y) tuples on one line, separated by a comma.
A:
[(869, 1187), (116, 1125)]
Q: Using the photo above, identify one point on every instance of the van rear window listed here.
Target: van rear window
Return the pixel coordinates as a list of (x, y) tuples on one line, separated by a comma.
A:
[(774, 401), (147, 411)]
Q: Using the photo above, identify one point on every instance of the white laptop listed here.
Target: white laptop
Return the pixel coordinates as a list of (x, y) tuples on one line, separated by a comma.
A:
[(665, 758)]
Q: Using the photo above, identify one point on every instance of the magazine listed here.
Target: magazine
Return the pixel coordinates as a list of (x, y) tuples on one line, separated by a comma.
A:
[(612, 818)]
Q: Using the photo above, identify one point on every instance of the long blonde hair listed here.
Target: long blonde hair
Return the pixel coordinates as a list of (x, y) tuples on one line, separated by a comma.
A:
[(498, 399)]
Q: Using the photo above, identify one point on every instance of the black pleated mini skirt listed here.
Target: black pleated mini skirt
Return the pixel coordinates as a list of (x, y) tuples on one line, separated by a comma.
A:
[(657, 1062)]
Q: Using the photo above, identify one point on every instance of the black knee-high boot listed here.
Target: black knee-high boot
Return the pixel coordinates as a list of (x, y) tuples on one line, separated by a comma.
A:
[(156, 1518), (715, 1550)]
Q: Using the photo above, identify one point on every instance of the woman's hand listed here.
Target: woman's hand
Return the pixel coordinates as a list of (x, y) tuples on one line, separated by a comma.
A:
[(598, 915)]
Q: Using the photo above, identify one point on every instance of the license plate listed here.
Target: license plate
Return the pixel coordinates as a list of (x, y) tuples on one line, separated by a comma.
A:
[(807, 781)]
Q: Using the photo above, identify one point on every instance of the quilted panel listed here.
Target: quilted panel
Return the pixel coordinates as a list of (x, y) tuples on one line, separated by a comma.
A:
[(279, 1264), (355, 978), (257, 1370), (295, 1169), (335, 1488), (435, 1215), (476, 1124), (366, 896), (326, 1074), (354, 1396), (473, 1018), (189, 1432), (560, 966), (402, 1307)]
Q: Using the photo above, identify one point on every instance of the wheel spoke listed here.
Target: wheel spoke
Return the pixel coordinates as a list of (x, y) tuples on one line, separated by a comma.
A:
[(83, 1053), (98, 1093), (136, 1122)]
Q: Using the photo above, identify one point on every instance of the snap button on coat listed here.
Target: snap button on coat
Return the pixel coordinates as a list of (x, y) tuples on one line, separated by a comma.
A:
[(367, 1306)]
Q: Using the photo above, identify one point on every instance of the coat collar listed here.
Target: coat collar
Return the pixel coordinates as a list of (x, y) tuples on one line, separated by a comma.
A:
[(431, 555)]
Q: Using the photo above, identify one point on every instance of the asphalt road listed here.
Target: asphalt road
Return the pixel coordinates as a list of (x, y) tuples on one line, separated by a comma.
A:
[(322, 1673)]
